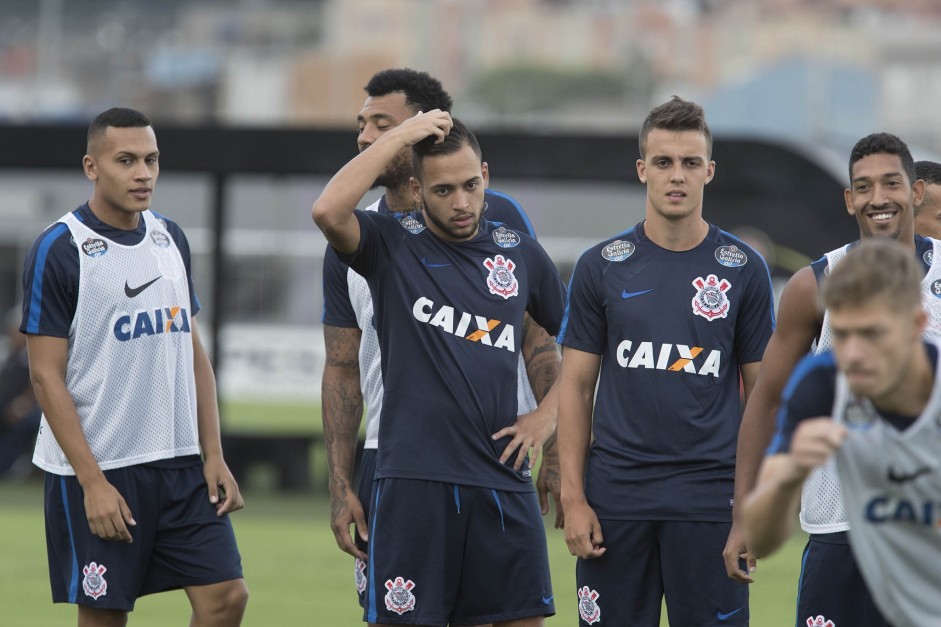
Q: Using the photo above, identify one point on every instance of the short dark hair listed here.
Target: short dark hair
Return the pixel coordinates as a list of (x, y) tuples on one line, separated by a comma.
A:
[(884, 143), (117, 117), (459, 136), (876, 268), (675, 115), (423, 92), (928, 171)]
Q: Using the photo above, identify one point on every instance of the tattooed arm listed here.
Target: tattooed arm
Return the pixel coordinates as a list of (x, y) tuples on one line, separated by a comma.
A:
[(536, 430), (342, 400)]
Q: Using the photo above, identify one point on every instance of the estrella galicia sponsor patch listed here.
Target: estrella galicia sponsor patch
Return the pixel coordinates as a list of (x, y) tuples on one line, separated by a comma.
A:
[(936, 288), (710, 300), (94, 583), (618, 251), (94, 247), (160, 239), (399, 598), (501, 280), (506, 238), (731, 256), (928, 257), (588, 607), (411, 224)]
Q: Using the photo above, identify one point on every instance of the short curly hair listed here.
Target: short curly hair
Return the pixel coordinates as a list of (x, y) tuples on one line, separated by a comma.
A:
[(423, 92), (884, 143)]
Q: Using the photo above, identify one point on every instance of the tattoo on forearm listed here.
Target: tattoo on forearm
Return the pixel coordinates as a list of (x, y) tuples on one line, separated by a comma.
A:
[(342, 402)]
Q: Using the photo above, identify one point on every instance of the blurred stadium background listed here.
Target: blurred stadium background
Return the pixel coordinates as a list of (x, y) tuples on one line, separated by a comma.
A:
[(254, 103)]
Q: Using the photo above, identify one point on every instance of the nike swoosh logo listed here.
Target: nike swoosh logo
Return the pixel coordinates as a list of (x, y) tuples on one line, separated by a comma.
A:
[(722, 616), (134, 291), (626, 294), (428, 264), (903, 477), (547, 601)]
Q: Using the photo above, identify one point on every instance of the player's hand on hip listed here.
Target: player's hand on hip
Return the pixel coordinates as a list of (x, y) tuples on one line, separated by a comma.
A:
[(223, 489), (346, 510), (815, 441), (583, 532), (735, 551), (529, 433), (107, 513)]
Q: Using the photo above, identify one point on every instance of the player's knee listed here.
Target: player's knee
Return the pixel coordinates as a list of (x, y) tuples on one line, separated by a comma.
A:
[(224, 607)]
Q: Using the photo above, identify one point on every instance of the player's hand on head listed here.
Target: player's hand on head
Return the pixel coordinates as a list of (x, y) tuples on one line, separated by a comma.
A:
[(424, 124), (583, 532), (735, 551), (346, 510), (107, 512), (222, 487), (814, 442)]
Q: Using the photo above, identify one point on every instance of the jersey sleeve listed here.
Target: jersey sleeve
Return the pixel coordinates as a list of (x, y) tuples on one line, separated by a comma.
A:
[(809, 394), (337, 309), (755, 323), (375, 242), (584, 325), (546, 302), (179, 238), (504, 208), (50, 283)]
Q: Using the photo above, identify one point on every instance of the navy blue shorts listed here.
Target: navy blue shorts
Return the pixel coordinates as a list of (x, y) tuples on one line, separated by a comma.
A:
[(178, 540), (831, 587), (646, 561), (461, 555), (367, 470)]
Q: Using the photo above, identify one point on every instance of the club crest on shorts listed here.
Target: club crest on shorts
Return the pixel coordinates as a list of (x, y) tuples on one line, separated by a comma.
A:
[(819, 621), (710, 300), (501, 280), (359, 575), (399, 598), (588, 605), (94, 582)]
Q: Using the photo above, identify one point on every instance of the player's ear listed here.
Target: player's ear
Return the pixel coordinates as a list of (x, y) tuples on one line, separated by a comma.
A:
[(848, 199), (710, 171), (485, 174), (90, 167), (415, 186), (918, 192), (642, 171)]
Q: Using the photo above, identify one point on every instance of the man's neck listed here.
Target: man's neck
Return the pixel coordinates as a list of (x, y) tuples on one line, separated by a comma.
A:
[(676, 235), (401, 200)]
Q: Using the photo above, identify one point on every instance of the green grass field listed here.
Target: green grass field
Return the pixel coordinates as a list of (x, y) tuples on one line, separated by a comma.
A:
[(294, 571)]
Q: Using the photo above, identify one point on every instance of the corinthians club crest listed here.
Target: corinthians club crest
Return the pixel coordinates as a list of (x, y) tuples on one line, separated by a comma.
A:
[(399, 598), (94, 582), (501, 280), (710, 300), (588, 605)]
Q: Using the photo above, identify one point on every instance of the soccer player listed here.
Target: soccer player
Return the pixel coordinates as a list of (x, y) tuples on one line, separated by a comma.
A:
[(928, 214), (872, 405), (353, 372), (671, 313), (455, 534), (882, 195), (137, 490)]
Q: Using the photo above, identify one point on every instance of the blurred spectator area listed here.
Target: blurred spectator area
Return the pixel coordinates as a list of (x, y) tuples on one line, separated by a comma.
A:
[(244, 196)]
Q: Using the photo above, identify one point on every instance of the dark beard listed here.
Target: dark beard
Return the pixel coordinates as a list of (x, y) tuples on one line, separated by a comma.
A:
[(447, 228)]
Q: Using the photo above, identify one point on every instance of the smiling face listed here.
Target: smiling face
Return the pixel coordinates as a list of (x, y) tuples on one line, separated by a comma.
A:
[(451, 188), (123, 163), (882, 198), (676, 169)]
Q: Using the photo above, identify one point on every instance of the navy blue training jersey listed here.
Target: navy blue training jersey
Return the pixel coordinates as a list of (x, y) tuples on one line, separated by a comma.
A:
[(450, 321), (337, 309), (50, 276), (672, 329)]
